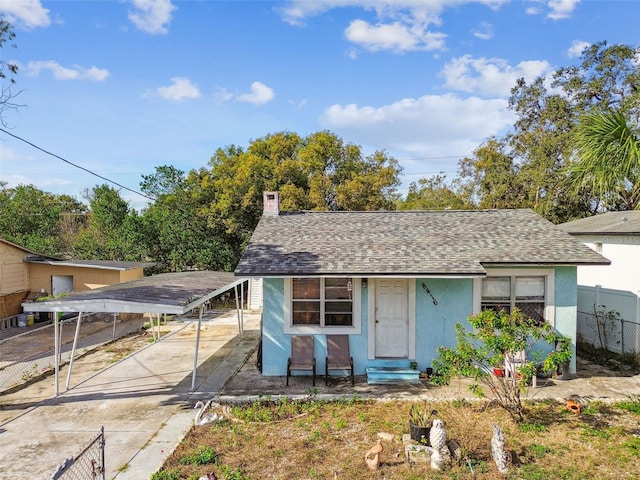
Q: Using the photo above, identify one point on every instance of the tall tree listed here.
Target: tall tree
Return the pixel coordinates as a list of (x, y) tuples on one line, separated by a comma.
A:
[(8, 71), (608, 159), (30, 217), (113, 229), (490, 177), (175, 233), (434, 193), (318, 172), (542, 141)]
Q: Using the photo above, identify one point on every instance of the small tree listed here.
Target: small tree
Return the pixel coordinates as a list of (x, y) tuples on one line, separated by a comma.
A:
[(494, 335)]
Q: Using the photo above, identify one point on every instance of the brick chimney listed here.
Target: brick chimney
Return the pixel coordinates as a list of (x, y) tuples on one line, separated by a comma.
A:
[(271, 203)]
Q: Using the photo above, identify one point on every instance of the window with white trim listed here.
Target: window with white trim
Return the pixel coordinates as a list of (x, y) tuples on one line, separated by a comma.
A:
[(526, 293), (322, 302)]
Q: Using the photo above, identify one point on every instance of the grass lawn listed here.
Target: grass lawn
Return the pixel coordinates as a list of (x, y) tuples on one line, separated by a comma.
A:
[(311, 439)]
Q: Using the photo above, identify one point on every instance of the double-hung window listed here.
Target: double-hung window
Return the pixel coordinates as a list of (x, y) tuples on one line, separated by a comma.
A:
[(322, 305), (526, 293), (322, 302)]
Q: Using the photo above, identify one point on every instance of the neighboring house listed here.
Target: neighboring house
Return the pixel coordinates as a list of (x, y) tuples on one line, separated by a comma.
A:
[(15, 282), (616, 288), (24, 273), (615, 235), (397, 282)]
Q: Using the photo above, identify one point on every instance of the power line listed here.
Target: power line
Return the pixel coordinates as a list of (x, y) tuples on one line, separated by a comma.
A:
[(74, 165)]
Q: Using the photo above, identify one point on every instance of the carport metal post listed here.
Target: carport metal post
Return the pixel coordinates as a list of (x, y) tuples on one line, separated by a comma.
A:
[(56, 351), (195, 356), (73, 350), (239, 311)]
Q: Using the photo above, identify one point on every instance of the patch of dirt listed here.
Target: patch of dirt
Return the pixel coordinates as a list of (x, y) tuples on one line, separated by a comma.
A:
[(330, 441)]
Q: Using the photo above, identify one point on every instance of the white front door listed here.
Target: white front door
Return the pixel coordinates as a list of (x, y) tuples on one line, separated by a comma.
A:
[(392, 318)]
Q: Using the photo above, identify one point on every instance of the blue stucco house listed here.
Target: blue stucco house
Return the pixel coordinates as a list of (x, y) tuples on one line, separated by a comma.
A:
[(397, 282)]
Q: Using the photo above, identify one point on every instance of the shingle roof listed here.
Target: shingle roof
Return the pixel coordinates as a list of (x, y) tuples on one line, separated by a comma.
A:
[(610, 223), (165, 292), (99, 264), (406, 243)]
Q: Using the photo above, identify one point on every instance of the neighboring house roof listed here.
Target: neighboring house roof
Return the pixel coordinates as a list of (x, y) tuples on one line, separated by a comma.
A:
[(610, 223), (445, 243), (99, 264)]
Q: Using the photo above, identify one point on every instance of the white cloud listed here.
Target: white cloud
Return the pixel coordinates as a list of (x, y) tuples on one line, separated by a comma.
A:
[(489, 76), (561, 8), (295, 12), (27, 13), (179, 89), (484, 31), (393, 36), (76, 72), (151, 16), (558, 9), (447, 123), (259, 95), (402, 25), (577, 46)]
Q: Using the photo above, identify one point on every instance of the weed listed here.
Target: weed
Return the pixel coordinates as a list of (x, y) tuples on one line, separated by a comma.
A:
[(460, 403), (123, 468), (203, 456), (630, 405), (166, 475), (533, 427), (539, 451), (633, 444), (233, 474), (31, 372), (342, 423), (589, 431)]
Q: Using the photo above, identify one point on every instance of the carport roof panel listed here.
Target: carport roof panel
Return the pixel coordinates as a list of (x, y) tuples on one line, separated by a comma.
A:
[(167, 292)]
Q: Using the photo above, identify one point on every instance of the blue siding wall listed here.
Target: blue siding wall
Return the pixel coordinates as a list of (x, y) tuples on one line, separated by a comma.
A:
[(435, 324), (566, 298), (276, 346)]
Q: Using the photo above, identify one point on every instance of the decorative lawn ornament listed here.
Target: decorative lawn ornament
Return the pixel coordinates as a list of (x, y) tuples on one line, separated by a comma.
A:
[(497, 449), (437, 435), (202, 418), (372, 457), (574, 404)]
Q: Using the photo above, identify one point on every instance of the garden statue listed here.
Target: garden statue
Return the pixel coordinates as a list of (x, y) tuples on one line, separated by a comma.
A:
[(203, 418), (372, 457), (497, 449)]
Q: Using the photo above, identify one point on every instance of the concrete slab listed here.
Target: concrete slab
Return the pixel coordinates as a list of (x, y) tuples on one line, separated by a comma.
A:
[(144, 402)]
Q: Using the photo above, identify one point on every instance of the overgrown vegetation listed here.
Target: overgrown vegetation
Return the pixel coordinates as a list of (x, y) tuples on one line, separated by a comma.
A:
[(284, 439), (492, 338)]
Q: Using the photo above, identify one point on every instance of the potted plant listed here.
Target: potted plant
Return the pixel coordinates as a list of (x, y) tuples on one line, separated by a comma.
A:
[(558, 361), (420, 420)]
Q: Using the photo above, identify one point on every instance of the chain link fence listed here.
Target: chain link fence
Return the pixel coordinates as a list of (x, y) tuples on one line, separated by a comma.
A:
[(87, 465), (25, 355), (609, 336)]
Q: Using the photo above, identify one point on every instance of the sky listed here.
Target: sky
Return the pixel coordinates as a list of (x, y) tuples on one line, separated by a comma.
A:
[(120, 87)]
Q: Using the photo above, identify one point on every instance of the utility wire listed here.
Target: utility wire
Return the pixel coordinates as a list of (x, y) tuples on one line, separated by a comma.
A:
[(74, 165)]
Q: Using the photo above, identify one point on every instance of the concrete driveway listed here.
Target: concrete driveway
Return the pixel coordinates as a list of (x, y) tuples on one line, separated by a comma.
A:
[(144, 402)]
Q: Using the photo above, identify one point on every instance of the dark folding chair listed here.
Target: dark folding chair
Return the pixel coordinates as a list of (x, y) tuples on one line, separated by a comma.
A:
[(338, 356), (302, 356)]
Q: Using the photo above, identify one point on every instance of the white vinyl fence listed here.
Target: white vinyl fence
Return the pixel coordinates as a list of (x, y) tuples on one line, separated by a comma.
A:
[(609, 319)]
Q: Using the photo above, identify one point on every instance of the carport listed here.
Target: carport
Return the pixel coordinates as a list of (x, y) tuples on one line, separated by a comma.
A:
[(167, 293)]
